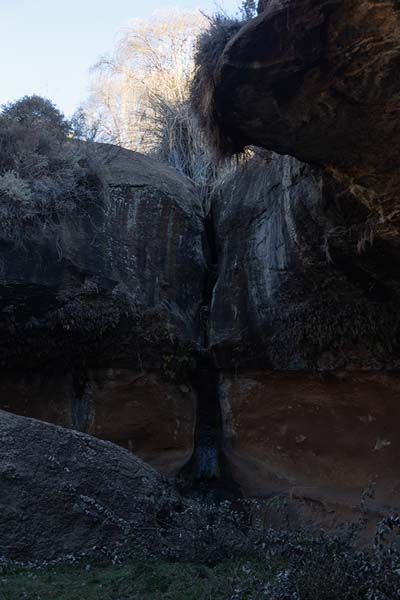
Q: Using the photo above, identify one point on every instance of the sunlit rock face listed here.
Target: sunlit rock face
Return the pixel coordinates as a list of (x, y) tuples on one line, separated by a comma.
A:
[(100, 312)]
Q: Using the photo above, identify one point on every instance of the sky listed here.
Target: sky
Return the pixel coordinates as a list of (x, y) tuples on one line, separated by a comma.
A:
[(48, 46)]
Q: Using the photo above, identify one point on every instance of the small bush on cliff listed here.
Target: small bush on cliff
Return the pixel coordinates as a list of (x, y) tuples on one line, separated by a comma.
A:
[(180, 143), (13, 187), (43, 173), (31, 111)]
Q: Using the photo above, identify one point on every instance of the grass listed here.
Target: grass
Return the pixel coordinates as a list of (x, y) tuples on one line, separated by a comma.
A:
[(138, 579)]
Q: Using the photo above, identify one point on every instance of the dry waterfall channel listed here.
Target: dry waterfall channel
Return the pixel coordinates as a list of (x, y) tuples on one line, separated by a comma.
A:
[(207, 472)]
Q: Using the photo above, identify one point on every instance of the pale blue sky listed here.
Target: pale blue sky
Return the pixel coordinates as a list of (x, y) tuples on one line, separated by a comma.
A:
[(48, 46)]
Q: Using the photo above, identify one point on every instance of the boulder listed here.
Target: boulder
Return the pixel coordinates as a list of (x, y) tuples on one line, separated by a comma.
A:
[(318, 80), (64, 492)]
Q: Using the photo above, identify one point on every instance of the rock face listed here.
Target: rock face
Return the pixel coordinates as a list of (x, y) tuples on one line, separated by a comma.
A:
[(323, 437), (63, 492), (105, 313), (100, 311), (304, 329), (144, 412), (292, 291), (318, 80), (303, 320), (116, 283)]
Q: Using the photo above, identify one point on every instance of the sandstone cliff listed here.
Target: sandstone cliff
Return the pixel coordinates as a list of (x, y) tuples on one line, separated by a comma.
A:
[(101, 311), (282, 304), (304, 317), (117, 281)]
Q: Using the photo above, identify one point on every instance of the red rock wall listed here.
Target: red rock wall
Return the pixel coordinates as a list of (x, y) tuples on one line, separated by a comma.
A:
[(142, 411), (311, 436)]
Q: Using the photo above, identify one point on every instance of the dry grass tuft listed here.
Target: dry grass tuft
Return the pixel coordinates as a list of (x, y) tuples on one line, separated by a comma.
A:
[(211, 45)]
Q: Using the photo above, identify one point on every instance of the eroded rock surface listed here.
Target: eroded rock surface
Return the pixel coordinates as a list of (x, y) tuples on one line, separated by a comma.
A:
[(293, 291), (100, 310), (308, 323), (317, 79), (326, 438), (303, 319), (143, 411), (118, 282), (63, 492), (307, 294)]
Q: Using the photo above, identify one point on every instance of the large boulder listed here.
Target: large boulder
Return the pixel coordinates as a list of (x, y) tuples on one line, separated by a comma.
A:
[(316, 79), (63, 492)]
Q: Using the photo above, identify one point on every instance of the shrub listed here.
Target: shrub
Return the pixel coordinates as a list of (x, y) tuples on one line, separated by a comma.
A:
[(35, 111), (14, 188), (43, 173), (307, 566), (256, 562)]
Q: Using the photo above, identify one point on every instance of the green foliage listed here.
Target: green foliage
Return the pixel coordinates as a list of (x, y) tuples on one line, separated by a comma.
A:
[(138, 579)]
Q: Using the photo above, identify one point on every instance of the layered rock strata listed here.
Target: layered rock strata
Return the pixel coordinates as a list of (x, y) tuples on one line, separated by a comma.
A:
[(103, 322), (304, 317), (101, 311)]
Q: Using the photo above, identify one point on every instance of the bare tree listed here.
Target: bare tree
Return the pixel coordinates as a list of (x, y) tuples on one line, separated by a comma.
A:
[(152, 58)]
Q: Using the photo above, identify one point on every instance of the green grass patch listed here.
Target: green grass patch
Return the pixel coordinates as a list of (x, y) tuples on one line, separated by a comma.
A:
[(138, 579)]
